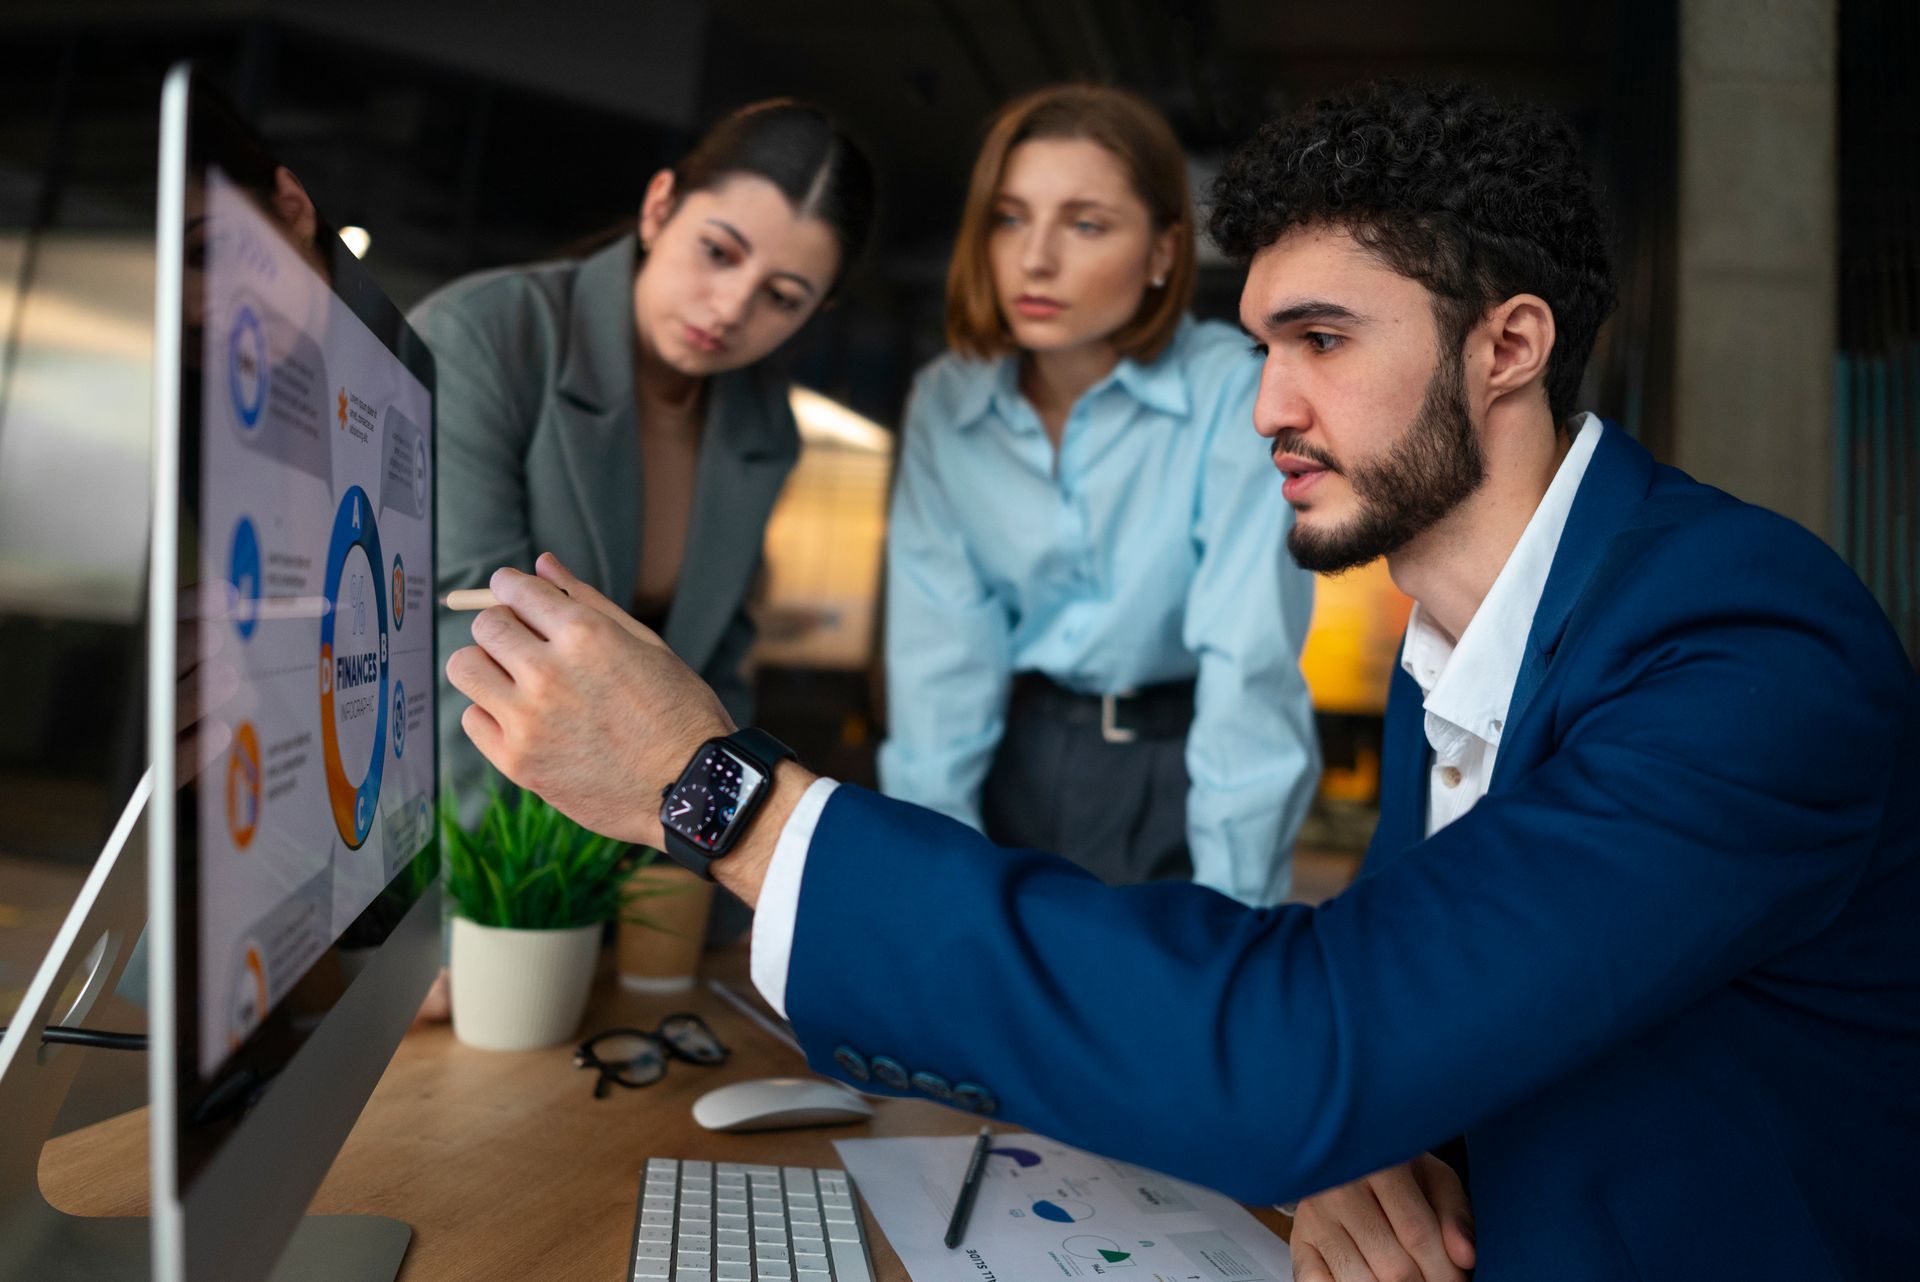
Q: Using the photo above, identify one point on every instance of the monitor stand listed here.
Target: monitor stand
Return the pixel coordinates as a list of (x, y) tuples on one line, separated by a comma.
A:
[(88, 956)]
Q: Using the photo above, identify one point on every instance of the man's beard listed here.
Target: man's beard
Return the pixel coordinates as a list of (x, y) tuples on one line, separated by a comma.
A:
[(1435, 465)]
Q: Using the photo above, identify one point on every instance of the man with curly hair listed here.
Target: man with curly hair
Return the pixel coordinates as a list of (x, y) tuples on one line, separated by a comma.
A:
[(1636, 932)]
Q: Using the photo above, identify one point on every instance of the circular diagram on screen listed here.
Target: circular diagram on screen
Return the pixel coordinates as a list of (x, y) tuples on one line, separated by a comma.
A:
[(353, 669), (243, 572), (243, 786), (247, 367), (399, 718)]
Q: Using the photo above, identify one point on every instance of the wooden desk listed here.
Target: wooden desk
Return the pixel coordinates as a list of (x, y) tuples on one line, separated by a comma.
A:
[(504, 1163)]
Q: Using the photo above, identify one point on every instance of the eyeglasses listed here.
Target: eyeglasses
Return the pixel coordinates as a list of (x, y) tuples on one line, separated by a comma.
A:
[(635, 1057)]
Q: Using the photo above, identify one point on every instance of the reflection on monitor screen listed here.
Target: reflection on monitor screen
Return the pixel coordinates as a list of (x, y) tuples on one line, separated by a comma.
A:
[(314, 520)]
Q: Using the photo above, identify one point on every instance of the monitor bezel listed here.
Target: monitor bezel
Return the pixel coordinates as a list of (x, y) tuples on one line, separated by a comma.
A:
[(202, 130)]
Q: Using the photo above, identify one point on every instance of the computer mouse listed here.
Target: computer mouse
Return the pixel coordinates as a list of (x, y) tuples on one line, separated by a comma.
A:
[(775, 1103)]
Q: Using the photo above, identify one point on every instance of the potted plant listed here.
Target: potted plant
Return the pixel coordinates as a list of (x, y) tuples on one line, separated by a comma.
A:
[(531, 891)]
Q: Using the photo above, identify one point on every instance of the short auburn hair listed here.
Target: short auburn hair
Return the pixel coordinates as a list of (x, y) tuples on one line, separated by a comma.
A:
[(1140, 138)]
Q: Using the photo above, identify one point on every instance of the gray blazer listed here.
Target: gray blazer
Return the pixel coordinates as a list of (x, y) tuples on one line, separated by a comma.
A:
[(539, 452)]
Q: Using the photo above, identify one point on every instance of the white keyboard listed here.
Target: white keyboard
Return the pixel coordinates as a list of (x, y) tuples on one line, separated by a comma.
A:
[(729, 1222)]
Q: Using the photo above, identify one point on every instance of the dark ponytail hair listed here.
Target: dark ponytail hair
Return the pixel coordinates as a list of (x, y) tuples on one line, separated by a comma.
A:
[(799, 149)]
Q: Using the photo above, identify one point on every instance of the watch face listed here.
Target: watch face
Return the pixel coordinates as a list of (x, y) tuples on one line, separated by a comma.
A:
[(710, 797)]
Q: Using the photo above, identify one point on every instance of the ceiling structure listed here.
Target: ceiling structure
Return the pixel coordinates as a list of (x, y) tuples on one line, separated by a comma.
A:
[(471, 133)]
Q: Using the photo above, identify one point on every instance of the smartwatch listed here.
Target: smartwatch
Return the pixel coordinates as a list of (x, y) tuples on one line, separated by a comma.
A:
[(706, 809)]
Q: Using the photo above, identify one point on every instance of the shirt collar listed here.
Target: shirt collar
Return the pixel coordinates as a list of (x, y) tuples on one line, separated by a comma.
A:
[(1160, 384), (1469, 684)]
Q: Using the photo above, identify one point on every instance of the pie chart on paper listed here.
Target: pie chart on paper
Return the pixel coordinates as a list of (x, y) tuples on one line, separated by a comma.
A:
[(1062, 1210), (1089, 1247)]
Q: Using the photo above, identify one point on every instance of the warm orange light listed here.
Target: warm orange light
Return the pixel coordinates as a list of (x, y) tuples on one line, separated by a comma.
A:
[(1358, 619)]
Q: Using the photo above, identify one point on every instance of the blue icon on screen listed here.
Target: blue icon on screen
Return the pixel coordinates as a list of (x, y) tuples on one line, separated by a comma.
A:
[(399, 719), (243, 572), (247, 367)]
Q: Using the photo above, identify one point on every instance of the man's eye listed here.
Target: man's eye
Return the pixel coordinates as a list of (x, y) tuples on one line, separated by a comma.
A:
[(1320, 342), (1258, 348), (1088, 228)]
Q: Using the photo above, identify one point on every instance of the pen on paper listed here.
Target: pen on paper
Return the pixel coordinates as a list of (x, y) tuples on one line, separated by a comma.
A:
[(969, 1188)]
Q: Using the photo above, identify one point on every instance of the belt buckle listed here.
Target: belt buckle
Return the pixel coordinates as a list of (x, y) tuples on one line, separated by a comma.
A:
[(1111, 731)]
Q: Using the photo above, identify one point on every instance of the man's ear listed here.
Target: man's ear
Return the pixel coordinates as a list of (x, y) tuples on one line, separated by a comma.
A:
[(1519, 334), (656, 207)]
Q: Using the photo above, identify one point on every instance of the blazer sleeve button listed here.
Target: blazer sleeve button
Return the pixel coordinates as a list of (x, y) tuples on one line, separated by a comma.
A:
[(890, 1072), (852, 1063), (933, 1086), (975, 1099)]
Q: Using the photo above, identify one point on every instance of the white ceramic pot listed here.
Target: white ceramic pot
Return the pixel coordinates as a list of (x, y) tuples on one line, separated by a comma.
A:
[(514, 990)]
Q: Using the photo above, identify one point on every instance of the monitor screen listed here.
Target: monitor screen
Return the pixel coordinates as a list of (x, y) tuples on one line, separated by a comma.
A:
[(292, 674), (315, 518)]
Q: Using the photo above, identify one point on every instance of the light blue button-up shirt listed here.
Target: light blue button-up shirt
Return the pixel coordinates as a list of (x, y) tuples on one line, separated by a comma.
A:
[(1150, 549)]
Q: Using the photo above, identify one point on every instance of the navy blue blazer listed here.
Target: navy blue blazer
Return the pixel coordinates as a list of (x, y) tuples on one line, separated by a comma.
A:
[(1663, 978)]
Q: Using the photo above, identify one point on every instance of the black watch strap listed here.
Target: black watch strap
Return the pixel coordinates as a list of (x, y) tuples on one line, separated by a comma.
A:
[(688, 855), (761, 748)]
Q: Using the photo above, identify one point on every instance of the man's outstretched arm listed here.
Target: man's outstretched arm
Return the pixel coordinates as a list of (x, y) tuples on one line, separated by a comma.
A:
[(1166, 1024)]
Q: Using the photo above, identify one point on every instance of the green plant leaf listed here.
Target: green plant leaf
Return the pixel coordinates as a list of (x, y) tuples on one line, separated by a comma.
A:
[(525, 864)]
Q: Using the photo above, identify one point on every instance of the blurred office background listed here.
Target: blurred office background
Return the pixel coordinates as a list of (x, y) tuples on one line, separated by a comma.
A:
[(1758, 155)]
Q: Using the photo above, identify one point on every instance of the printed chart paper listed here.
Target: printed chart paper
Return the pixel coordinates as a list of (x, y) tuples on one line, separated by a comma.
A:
[(1046, 1211)]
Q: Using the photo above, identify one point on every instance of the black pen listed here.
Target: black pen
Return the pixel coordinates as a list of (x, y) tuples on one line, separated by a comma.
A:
[(969, 1185)]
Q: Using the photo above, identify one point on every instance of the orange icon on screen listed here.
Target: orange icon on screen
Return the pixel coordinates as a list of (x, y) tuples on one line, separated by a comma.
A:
[(243, 786), (249, 997), (343, 409)]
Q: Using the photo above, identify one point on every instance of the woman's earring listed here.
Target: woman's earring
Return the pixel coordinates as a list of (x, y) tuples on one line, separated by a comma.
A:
[(1160, 281)]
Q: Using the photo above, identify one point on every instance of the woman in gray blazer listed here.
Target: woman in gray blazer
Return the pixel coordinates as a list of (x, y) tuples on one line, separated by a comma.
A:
[(619, 410)]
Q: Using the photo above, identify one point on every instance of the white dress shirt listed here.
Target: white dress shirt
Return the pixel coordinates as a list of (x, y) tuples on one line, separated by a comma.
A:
[(1467, 686)]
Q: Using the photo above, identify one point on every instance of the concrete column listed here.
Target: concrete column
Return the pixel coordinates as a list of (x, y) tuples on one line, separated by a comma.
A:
[(1758, 249)]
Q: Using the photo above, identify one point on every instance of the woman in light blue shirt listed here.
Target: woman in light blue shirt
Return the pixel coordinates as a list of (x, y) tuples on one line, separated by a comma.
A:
[(1093, 628)]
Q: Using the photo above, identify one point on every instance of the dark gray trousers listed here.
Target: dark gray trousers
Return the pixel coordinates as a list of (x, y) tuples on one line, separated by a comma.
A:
[(1119, 810)]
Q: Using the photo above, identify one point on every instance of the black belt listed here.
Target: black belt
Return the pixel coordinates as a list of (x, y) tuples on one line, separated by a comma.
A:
[(1163, 711)]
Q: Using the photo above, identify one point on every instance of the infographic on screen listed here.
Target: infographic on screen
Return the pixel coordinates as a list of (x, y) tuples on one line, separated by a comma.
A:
[(315, 512)]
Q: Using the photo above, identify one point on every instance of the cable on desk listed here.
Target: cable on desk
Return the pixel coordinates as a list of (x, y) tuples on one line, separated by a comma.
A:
[(97, 1038)]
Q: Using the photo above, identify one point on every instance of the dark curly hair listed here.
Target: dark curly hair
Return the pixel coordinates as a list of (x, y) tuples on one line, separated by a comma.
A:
[(1475, 198)]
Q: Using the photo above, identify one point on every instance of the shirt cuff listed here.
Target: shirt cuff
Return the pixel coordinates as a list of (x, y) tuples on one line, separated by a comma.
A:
[(779, 903)]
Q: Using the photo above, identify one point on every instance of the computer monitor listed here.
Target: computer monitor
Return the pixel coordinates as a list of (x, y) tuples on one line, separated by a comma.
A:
[(292, 851)]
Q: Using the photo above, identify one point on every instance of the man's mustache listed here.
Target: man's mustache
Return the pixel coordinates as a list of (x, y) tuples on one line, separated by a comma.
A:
[(1290, 443)]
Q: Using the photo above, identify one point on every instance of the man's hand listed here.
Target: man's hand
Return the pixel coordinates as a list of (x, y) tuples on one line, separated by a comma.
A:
[(577, 702), (1408, 1223)]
